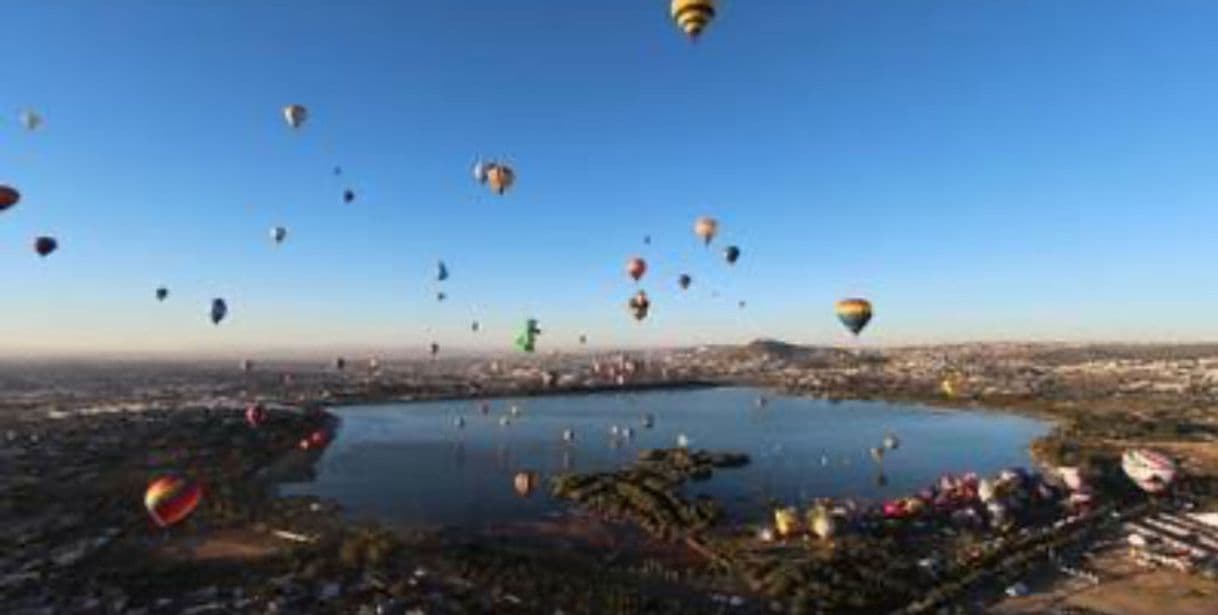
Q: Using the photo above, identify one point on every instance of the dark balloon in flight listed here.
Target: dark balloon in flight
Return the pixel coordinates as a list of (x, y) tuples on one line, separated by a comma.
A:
[(219, 309), (45, 245), (348, 196), (162, 293), (684, 281), (731, 254)]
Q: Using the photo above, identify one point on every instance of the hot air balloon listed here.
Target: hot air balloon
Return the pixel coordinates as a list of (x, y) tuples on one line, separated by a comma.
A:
[(636, 267), (474, 326), (647, 240), (30, 120), (295, 115), (891, 442), (731, 254), (500, 177), (9, 196), (162, 293), (170, 499), (441, 271), (741, 304), (706, 228), (877, 453), (568, 435), (649, 421), (45, 245), (854, 313), (682, 441), (786, 521), (247, 365), (317, 439), (459, 422), (278, 234), (822, 522), (692, 16), (1152, 472), (219, 309), (639, 305), (348, 195), (340, 363), (435, 349), (684, 281), (338, 171), (527, 339), (481, 171), (440, 296), (525, 483), (255, 415), (583, 339)]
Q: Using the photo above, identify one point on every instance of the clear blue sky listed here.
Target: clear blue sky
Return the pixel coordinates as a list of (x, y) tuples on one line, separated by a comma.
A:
[(979, 169)]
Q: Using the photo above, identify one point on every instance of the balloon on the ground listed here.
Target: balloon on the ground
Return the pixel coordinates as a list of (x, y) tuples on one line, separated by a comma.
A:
[(525, 483), (1151, 471), (295, 115), (44, 245), (692, 16), (854, 313), (255, 415), (170, 499)]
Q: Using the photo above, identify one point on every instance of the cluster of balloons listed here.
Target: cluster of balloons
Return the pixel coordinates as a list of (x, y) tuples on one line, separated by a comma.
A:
[(44, 245)]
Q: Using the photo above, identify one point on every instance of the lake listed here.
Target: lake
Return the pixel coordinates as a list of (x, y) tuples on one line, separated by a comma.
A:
[(410, 464)]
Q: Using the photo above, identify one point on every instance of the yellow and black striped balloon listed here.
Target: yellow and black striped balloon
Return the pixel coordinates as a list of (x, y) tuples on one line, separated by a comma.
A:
[(855, 313), (692, 16)]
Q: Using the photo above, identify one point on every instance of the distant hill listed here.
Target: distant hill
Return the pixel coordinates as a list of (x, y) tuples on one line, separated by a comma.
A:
[(794, 353)]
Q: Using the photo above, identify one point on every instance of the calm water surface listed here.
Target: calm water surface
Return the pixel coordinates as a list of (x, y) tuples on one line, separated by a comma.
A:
[(409, 464)]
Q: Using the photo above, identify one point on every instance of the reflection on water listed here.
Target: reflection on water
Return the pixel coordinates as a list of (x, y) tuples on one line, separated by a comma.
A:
[(414, 463)]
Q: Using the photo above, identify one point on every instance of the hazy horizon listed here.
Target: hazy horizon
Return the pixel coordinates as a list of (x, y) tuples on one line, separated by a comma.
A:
[(1033, 171)]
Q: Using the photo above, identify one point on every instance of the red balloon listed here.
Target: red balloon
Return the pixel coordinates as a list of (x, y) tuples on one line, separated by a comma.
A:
[(255, 415), (170, 499), (636, 268), (8, 197)]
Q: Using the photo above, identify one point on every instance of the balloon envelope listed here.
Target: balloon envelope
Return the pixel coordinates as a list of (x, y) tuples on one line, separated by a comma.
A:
[(219, 309), (636, 267), (9, 196), (295, 115), (854, 313), (500, 177), (162, 293), (706, 228), (684, 281), (31, 120), (170, 499), (45, 245), (692, 16), (731, 254), (255, 415)]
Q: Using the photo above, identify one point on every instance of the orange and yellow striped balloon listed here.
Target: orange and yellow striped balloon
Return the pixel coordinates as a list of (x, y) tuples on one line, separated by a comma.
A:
[(692, 16), (170, 499), (854, 313)]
